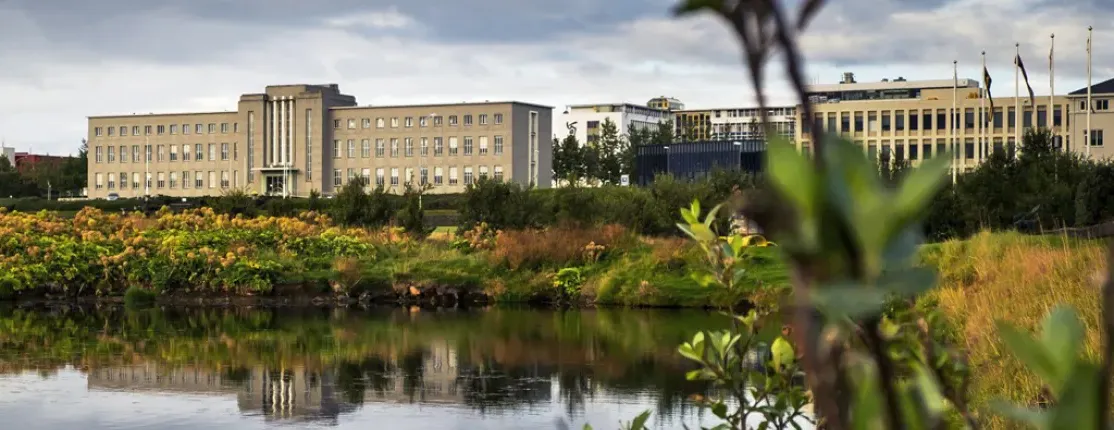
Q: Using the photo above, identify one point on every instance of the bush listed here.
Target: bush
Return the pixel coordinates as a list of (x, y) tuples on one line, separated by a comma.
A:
[(558, 246), (412, 216), (355, 207)]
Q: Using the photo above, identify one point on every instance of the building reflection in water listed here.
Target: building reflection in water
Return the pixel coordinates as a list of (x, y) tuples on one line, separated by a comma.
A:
[(435, 374)]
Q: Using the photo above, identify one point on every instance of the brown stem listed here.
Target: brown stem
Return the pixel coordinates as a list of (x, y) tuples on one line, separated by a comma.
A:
[(886, 376), (1108, 340)]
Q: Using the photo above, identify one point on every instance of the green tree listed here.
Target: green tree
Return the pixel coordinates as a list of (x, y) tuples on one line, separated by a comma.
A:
[(663, 134), (354, 206), (568, 160), (608, 146), (636, 136), (412, 216)]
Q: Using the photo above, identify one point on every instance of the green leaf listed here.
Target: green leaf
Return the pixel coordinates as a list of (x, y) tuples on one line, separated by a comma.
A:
[(689, 352), (1029, 351), (711, 217), (720, 410), (1078, 406), (918, 188), (640, 421), (794, 178), (908, 282), (852, 300), (587, 427), (1062, 334), (866, 409)]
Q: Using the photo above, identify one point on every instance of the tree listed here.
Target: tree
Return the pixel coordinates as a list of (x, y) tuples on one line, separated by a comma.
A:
[(568, 159), (5, 164), (355, 207), (412, 217), (608, 146), (663, 135), (636, 136)]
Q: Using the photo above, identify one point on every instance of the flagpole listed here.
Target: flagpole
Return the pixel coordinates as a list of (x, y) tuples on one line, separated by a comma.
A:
[(983, 131), (1016, 101), (955, 89), (1087, 135), (1052, 84)]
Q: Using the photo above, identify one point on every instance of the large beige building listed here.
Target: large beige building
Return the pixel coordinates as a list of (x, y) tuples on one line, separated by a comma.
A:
[(293, 139), (1102, 118), (913, 120)]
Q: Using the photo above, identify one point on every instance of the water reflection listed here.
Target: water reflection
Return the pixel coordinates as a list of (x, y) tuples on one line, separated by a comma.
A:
[(498, 368)]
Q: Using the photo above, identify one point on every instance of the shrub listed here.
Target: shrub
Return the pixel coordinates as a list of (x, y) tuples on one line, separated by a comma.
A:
[(556, 246)]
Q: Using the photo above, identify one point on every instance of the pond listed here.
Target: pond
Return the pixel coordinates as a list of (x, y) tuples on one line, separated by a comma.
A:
[(108, 367)]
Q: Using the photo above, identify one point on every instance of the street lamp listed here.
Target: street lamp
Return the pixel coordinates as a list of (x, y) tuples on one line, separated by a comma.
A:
[(739, 158), (667, 153), (422, 148)]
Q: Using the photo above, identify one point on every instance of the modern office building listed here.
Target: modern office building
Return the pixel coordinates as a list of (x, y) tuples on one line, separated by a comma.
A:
[(696, 160), (585, 120), (666, 103), (1102, 118), (294, 139), (692, 125), (912, 120), (746, 123)]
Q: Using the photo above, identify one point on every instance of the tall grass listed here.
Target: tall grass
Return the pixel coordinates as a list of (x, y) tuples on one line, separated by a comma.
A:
[(558, 246), (1015, 278)]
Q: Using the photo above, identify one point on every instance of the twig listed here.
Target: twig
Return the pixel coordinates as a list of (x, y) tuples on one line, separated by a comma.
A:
[(886, 376), (1108, 340)]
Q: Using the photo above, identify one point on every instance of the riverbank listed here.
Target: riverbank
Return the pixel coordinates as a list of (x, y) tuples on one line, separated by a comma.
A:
[(199, 255), (1018, 279)]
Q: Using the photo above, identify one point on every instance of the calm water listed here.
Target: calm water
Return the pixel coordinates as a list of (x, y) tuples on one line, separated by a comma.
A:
[(112, 368)]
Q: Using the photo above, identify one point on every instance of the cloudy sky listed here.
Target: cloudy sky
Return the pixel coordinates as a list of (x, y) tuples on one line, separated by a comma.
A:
[(62, 60)]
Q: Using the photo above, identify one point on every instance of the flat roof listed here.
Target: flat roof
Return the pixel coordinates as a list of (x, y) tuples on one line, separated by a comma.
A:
[(891, 85), (593, 105), (733, 108), (134, 115), (513, 102)]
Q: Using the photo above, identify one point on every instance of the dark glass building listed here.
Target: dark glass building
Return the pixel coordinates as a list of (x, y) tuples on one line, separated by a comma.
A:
[(696, 160)]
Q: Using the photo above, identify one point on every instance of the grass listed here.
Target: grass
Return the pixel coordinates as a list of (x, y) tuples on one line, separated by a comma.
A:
[(1018, 279)]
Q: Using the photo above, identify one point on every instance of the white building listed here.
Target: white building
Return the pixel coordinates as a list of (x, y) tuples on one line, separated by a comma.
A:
[(745, 123), (587, 120)]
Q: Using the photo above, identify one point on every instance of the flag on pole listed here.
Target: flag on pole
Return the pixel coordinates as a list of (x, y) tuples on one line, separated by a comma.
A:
[(986, 81), (1025, 75)]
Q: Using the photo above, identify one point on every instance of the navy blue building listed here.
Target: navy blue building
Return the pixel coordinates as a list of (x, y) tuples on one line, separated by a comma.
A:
[(696, 160)]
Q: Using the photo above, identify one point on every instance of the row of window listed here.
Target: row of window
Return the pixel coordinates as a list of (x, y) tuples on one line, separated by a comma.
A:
[(916, 149), (846, 122), (423, 176), (348, 148), (109, 154), (423, 121), (162, 129), (158, 180)]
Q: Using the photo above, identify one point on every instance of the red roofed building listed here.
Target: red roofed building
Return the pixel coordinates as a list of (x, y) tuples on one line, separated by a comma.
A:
[(25, 161)]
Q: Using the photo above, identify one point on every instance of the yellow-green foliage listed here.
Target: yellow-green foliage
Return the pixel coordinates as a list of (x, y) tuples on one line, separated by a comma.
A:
[(1019, 279)]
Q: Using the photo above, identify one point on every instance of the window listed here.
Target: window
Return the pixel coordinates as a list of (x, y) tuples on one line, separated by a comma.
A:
[(425, 146), (309, 146), (438, 146), (198, 154), (97, 131), (438, 176), (1096, 137), (112, 181), (351, 148), (162, 180), (885, 120), (365, 174), (186, 180), (337, 179), (467, 145), (198, 128), (483, 145), (135, 181), (212, 152), (173, 179), (499, 173), (394, 122), (394, 147), (968, 119), (468, 176), (224, 152), (379, 147), (224, 179), (1102, 104), (135, 130), (483, 172), (409, 122), (161, 130), (498, 145), (409, 175), (147, 149), (185, 129), (351, 174), (899, 120), (336, 148), (173, 153), (941, 120), (147, 130), (365, 148), (366, 123), (99, 155), (498, 118), (186, 152), (423, 121), (135, 153), (438, 121), (380, 177), (452, 176), (452, 119), (394, 176), (212, 128), (123, 181), (409, 143), (336, 123), (235, 129), (236, 150), (914, 120), (112, 131), (123, 154), (483, 119), (452, 146), (424, 179), (468, 119), (162, 153), (99, 181), (351, 123), (111, 154), (379, 123)]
